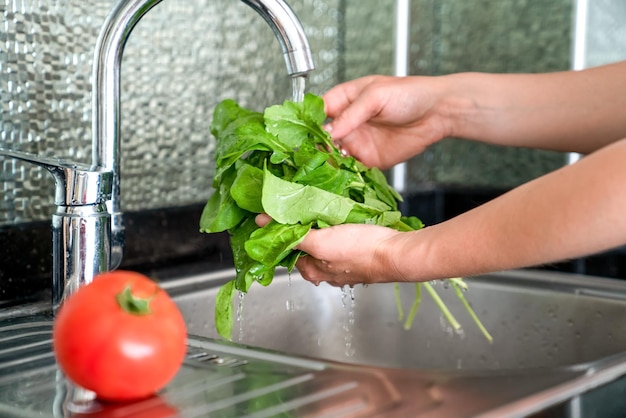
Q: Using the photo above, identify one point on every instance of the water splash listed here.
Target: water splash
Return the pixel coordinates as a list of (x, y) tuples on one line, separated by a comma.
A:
[(347, 292), (290, 305), (449, 330), (239, 316)]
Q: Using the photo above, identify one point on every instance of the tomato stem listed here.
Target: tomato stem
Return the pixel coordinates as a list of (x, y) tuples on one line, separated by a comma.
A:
[(132, 304)]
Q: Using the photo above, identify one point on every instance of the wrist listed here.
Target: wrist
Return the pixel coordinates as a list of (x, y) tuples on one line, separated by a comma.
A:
[(404, 256), (463, 104)]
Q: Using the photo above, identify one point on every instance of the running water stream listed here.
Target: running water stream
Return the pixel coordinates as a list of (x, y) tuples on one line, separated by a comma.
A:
[(298, 87), (242, 295), (298, 84), (349, 303)]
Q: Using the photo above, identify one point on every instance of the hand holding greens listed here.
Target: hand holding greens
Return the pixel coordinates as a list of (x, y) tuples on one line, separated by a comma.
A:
[(281, 162)]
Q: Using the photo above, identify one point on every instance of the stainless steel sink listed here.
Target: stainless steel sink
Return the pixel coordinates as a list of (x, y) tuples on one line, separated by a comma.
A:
[(537, 319), (306, 351)]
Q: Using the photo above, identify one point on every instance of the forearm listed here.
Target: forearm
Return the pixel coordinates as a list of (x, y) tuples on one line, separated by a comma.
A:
[(565, 111), (571, 212)]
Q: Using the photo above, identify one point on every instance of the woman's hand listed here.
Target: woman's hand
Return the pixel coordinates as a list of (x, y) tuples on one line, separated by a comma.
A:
[(383, 120), (348, 254)]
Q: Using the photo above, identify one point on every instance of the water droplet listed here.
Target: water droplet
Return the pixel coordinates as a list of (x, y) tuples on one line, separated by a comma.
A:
[(445, 326), (289, 305), (347, 292)]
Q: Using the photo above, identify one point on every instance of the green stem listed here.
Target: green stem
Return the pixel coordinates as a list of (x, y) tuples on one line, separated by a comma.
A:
[(442, 306), (459, 293), (132, 304), (396, 289), (416, 303)]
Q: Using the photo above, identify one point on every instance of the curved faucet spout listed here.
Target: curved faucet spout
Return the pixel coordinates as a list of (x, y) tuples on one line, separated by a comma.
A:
[(106, 84), (289, 33)]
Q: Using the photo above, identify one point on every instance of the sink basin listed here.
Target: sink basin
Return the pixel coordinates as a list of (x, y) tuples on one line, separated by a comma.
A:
[(307, 351), (537, 320)]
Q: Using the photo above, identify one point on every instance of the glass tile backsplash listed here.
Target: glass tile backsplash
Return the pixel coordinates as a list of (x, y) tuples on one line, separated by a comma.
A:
[(510, 36), (186, 56)]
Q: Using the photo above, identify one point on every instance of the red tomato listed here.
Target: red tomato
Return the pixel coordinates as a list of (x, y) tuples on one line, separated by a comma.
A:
[(107, 342)]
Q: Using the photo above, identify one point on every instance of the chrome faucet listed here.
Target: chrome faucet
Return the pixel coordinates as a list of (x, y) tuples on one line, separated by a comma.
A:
[(88, 227)]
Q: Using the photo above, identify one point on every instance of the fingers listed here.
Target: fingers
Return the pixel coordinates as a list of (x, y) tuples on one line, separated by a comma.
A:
[(350, 105), (262, 219), (311, 270), (342, 95), (307, 271)]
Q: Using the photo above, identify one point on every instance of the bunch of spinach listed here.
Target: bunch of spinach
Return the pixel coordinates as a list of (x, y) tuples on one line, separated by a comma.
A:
[(281, 162)]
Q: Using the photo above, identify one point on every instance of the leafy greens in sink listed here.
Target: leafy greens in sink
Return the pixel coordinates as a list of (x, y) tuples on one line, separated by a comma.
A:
[(281, 162)]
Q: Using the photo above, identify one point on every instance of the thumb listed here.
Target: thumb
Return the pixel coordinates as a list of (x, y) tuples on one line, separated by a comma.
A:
[(309, 243), (262, 219)]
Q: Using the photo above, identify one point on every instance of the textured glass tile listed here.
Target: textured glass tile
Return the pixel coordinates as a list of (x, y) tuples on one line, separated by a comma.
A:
[(449, 36), (181, 59)]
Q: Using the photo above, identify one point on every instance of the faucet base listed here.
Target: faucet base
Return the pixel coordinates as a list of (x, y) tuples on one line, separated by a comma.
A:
[(82, 233)]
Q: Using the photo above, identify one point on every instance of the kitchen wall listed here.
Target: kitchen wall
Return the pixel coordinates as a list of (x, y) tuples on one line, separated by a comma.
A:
[(483, 35), (184, 57), (181, 59)]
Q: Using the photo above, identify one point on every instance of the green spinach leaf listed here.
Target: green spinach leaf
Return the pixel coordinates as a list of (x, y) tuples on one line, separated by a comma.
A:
[(283, 163)]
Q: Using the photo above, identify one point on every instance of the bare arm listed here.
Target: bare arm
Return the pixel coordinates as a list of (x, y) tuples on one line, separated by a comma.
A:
[(385, 120), (574, 211), (565, 111)]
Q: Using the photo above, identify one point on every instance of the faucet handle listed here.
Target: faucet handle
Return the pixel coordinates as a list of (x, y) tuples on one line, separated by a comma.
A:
[(81, 225), (76, 184)]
